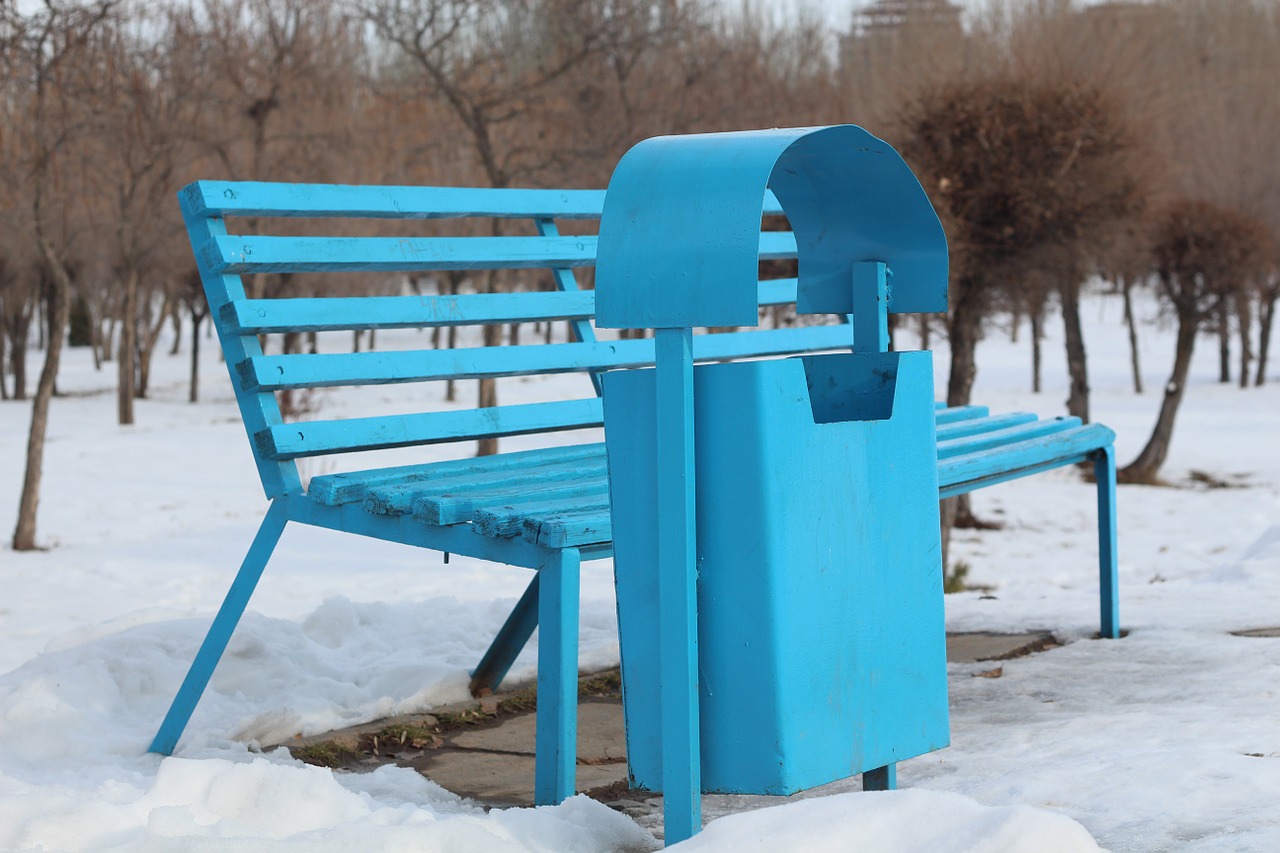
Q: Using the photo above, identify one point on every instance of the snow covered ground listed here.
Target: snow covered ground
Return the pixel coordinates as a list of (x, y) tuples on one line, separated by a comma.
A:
[(1166, 740)]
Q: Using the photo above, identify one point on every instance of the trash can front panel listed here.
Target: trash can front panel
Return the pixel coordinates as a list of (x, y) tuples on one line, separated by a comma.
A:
[(822, 652)]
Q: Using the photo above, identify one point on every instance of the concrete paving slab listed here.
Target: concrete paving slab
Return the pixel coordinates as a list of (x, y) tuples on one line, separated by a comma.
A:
[(983, 645), (503, 778), (601, 734)]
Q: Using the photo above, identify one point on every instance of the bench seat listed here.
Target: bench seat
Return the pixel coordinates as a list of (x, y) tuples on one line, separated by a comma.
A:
[(558, 497)]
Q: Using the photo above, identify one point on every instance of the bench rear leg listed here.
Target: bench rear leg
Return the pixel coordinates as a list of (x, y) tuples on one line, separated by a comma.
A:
[(215, 642), (506, 646), (1104, 470), (881, 779), (557, 720)]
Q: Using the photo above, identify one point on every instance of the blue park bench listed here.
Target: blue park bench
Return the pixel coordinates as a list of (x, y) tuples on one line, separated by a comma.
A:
[(543, 509)]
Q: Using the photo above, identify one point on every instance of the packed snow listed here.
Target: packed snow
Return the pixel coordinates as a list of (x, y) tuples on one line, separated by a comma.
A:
[(1168, 739)]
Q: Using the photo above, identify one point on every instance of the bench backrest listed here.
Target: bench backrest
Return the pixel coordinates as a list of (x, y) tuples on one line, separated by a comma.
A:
[(223, 258)]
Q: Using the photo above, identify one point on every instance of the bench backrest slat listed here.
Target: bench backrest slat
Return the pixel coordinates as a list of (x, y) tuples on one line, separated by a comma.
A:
[(292, 441), (312, 201), (280, 372), (335, 313), (253, 254), (352, 313)]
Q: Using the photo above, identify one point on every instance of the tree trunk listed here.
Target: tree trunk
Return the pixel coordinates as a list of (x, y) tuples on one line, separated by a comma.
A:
[(1126, 287), (176, 318), (965, 328), (450, 386), (196, 319), (1077, 366), (1224, 340), (1244, 312), (1145, 468), (148, 348), (1037, 337), (1266, 316), (4, 374), (24, 533), (488, 391), (18, 336), (926, 325), (126, 369)]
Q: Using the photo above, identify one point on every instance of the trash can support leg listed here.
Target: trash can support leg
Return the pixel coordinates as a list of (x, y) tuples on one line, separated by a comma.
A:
[(881, 779), (677, 587), (1104, 472)]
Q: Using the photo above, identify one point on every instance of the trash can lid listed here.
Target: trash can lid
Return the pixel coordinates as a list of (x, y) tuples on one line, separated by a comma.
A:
[(680, 233)]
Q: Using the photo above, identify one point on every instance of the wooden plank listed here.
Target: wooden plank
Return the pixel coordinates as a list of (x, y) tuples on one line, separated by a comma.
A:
[(588, 526), (328, 314), (259, 254), (260, 198), (944, 414), (306, 370), (403, 497), (240, 254), (1010, 461), (457, 507), (319, 438), (947, 448), (508, 520), (974, 426), (349, 487)]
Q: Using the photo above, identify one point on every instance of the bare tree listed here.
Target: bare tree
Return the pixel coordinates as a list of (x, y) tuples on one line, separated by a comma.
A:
[(1200, 250), (55, 44), (1025, 173)]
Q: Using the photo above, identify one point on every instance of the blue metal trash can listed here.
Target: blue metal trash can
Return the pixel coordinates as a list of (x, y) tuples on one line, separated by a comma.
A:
[(819, 591)]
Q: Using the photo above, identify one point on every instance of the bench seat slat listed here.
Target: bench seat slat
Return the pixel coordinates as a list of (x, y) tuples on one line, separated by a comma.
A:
[(319, 438), (570, 530), (947, 448), (508, 519), (350, 487), (280, 372), (990, 423), (403, 497), (461, 506), (944, 414), (1020, 458)]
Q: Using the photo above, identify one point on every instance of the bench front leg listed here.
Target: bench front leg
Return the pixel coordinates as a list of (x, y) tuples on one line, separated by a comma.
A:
[(215, 642), (1104, 471), (557, 719)]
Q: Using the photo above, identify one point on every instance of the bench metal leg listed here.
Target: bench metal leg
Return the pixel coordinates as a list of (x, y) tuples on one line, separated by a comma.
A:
[(1104, 469), (509, 642), (881, 779), (557, 720), (215, 642)]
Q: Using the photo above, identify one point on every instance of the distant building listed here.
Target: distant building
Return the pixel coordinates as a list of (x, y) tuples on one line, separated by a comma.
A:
[(894, 28)]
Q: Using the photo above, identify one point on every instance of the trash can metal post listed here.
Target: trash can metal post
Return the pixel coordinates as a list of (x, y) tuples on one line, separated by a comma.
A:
[(677, 585)]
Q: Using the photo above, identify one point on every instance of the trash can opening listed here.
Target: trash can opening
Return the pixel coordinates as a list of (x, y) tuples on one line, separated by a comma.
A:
[(845, 387)]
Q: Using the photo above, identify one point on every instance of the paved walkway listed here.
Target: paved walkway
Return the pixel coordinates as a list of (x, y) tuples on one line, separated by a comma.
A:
[(485, 750)]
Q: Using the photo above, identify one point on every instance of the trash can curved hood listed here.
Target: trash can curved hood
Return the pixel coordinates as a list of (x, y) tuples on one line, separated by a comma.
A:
[(680, 233)]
